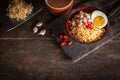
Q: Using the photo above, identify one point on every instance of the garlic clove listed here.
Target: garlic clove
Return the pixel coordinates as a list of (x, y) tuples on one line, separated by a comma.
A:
[(39, 24), (42, 32), (35, 30)]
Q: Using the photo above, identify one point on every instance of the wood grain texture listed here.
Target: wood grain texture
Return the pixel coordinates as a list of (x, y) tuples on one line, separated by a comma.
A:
[(27, 56), (21, 59)]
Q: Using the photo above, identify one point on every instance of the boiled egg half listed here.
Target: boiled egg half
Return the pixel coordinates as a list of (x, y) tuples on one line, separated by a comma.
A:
[(99, 19)]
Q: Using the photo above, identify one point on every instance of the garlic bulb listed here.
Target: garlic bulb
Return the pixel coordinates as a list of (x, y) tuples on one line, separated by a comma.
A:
[(42, 32), (39, 24), (35, 30)]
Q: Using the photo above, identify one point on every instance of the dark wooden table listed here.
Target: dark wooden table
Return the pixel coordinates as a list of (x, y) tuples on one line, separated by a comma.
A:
[(27, 56)]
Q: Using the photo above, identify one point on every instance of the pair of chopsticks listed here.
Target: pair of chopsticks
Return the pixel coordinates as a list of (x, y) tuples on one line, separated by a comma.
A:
[(114, 10)]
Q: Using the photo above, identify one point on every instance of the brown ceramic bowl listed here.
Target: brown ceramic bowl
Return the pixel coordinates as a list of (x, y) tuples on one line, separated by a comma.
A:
[(85, 9), (59, 6)]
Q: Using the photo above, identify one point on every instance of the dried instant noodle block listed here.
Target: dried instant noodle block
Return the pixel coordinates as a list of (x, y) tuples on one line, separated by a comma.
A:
[(19, 9)]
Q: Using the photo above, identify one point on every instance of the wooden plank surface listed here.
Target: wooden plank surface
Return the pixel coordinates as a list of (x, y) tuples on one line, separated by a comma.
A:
[(20, 60), (27, 56)]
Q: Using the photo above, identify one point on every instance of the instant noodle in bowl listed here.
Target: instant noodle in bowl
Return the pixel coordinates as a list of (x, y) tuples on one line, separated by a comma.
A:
[(81, 28)]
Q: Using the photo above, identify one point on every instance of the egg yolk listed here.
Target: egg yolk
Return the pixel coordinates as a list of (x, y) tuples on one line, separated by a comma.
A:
[(99, 21)]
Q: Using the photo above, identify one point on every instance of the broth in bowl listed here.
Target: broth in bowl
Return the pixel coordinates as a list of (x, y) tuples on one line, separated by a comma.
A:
[(59, 7), (58, 3)]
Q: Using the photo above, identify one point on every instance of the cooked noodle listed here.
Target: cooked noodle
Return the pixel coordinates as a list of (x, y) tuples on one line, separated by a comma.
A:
[(87, 35)]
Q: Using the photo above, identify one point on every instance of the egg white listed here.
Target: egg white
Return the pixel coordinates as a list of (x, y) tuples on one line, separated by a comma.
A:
[(97, 13)]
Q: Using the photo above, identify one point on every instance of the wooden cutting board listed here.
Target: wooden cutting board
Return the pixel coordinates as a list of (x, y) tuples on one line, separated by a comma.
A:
[(80, 50)]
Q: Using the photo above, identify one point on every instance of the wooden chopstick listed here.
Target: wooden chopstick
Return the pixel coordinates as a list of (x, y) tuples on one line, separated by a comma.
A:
[(114, 10)]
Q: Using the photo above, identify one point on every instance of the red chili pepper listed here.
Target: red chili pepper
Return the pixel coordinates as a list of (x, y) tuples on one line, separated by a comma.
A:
[(65, 37), (66, 40), (69, 43), (90, 25), (61, 36), (63, 43)]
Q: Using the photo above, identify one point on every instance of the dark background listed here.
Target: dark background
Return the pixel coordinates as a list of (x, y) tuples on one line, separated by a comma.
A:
[(27, 56)]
